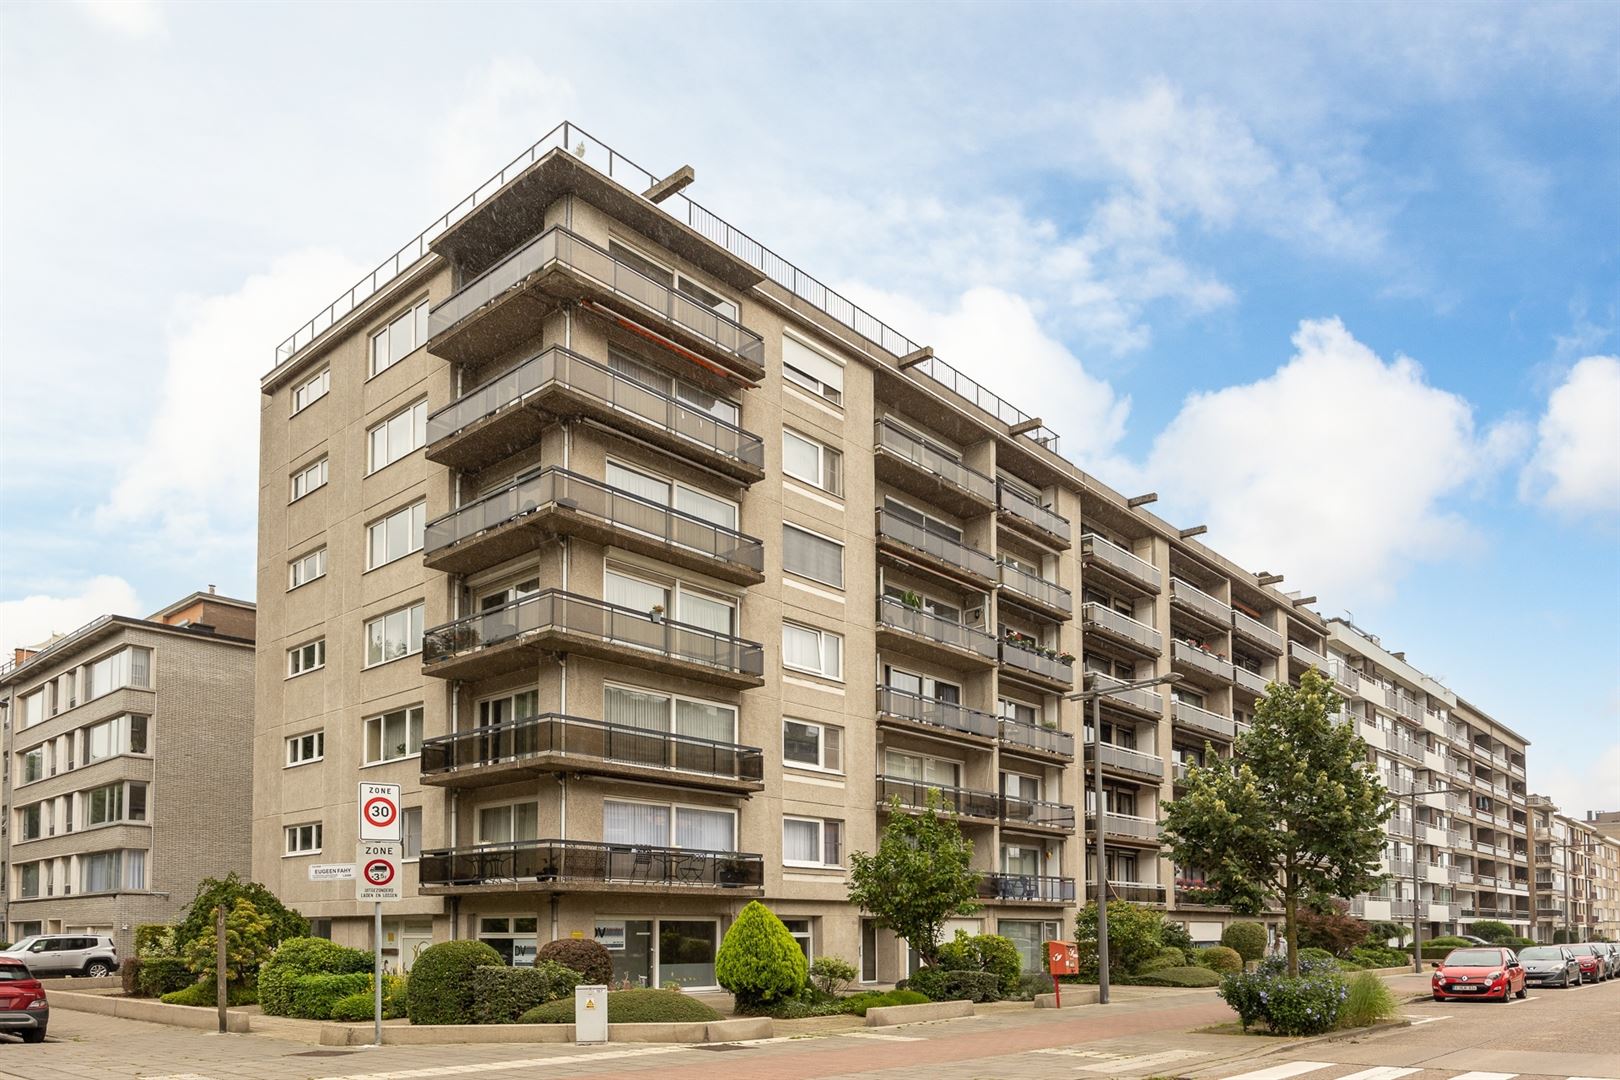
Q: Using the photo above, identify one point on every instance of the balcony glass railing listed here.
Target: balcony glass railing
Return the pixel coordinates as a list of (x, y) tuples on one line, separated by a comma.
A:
[(556, 863), (905, 705), (1307, 655), (1022, 507), (1126, 759), (1208, 663), (902, 444), (560, 367), (1034, 737), (1100, 549), (560, 246), (575, 737), (1103, 617), (944, 548), (1026, 887), (917, 795), (1146, 700), (1139, 828), (1345, 675), (1049, 594), (1252, 681), (1255, 630), (1036, 812), (1022, 659), (1193, 716), (554, 610), (919, 623), (1135, 892), (1195, 599), (551, 488)]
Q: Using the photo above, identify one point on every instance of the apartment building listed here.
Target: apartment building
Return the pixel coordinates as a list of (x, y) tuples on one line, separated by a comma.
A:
[(1459, 841), (1577, 879), (127, 780)]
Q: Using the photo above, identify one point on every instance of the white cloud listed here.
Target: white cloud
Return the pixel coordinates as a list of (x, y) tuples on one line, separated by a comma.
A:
[(133, 18), (1579, 783), (193, 477), (1576, 467), (33, 619), (505, 106), (1333, 469)]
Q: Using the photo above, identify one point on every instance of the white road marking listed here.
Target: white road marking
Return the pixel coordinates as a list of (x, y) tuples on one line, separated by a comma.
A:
[(561, 1060), (1065, 1051), (1484, 1076), (1282, 1072), (1386, 1072), (1416, 1020), (880, 1036), (1143, 1061)]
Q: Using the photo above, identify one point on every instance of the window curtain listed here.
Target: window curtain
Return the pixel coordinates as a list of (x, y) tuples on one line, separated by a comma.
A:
[(632, 708), (710, 614), (704, 721), (635, 823), (801, 648), (705, 830), (134, 869), (801, 841), (633, 594), (647, 487)]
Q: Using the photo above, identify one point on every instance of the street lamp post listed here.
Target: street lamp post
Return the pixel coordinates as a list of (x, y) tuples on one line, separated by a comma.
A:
[(1417, 923), (1095, 696)]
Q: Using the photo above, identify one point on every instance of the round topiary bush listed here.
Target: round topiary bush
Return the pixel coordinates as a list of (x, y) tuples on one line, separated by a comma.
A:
[(758, 961), (985, 952), (1247, 939), (1219, 958), (440, 990), (587, 958), (301, 956), (627, 1007)]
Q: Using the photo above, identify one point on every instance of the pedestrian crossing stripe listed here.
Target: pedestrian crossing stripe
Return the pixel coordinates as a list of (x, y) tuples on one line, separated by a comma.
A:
[(1147, 1061), (1383, 1072), (1485, 1076), (1283, 1071)]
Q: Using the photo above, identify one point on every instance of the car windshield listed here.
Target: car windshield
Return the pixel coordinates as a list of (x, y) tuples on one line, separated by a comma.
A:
[(1474, 958), (1541, 954), (23, 945), (1583, 950)]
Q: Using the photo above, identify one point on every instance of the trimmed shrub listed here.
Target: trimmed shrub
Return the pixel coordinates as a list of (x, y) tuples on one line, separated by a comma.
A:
[(502, 994), (1176, 936), (873, 999), (1247, 939), (1380, 933), (983, 952), (1494, 931), (1374, 956), (1307, 1005), (1220, 959), (830, 974), (202, 994), (624, 1007), (301, 956), (1134, 936), (1320, 955), (758, 961), (440, 990), (312, 996), (1179, 976), (1368, 1002), (941, 984), (1448, 940), (586, 957), (358, 1008), (160, 975)]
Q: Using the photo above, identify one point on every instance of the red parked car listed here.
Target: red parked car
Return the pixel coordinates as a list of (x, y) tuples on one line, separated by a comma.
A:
[(23, 1008), (1478, 973), (1593, 967)]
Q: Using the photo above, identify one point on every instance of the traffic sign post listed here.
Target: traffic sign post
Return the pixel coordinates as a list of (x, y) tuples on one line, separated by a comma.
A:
[(382, 835)]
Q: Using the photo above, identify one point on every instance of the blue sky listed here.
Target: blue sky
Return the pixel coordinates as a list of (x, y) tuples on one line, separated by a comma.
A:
[(1341, 282)]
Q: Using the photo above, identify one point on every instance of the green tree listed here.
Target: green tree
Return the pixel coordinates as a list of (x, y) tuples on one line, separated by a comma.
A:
[(212, 892), (920, 876), (1491, 930), (758, 961), (1379, 933), (1295, 813), (247, 945), (1135, 936)]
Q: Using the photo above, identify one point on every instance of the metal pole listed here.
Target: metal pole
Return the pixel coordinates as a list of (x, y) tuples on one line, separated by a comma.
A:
[(1102, 856), (376, 973), (1417, 926), (1566, 894)]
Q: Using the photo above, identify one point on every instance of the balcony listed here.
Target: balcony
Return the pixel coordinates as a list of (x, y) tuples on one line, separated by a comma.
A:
[(983, 807), (515, 635), (1100, 553), (1203, 720), (1346, 677), (1019, 661), (525, 749), (1403, 745), (1256, 632), (1200, 663), (1128, 827), (1043, 597), (942, 554), (1020, 512), (1121, 630), (1252, 681), (544, 866), (1305, 656), (515, 519), (930, 716), (1200, 604), (1026, 889), (1137, 702), (502, 307), (925, 635), (1409, 708), (507, 414), (1134, 892), (1030, 739), (1036, 815), (1120, 759), (916, 467)]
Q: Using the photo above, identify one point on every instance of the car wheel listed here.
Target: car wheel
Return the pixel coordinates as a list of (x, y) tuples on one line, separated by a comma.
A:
[(1524, 991), (33, 1035), (95, 969), (1437, 997)]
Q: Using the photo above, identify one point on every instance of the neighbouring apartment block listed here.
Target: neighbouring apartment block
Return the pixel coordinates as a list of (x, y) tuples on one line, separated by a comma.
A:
[(1577, 879), (127, 779)]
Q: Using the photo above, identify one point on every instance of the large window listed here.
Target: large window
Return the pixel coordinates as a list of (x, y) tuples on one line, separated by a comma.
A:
[(689, 395), (661, 825), (311, 390), (396, 535), (815, 557), (302, 571), (397, 436), (309, 478), (394, 735), (812, 746), (651, 710), (394, 635), (33, 708), (664, 492), (33, 764), (819, 652), (817, 464), (31, 822), (115, 802), (120, 735), (1029, 936), (811, 369), (310, 656), (680, 283), (304, 839), (686, 604), (65, 694), (127, 667), (399, 338), (305, 748), (28, 880), (509, 823), (921, 769), (812, 842)]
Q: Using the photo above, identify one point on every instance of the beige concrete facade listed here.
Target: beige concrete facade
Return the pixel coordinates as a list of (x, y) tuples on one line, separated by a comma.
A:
[(128, 780), (1577, 879)]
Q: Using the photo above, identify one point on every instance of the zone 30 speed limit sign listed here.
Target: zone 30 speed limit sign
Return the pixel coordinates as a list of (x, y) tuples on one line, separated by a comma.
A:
[(379, 813)]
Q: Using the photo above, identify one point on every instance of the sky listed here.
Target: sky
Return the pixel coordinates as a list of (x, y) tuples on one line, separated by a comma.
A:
[(1341, 282)]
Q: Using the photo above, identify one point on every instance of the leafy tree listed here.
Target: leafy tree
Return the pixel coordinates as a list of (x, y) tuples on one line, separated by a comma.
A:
[(1331, 927), (1295, 813), (984, 952), (247, 945), (212, 892), (1135, 936), (1497, 933), (758, 961), (1379, 933), (920, 876)]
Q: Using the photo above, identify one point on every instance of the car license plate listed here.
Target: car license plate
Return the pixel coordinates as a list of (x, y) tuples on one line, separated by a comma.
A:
[(1466, 989)]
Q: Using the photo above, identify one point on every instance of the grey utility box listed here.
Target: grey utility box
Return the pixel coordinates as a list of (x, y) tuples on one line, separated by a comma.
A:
[(590, 1015)]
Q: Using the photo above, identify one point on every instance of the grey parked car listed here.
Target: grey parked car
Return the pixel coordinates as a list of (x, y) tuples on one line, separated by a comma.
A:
[(50, 955), (1550, 965)]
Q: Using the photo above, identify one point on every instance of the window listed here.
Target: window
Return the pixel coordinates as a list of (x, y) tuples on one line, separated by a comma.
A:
[(411, 830), (819, 652), (396, 535), (305, 748), (28, 880), (799, 929), (803, 458), (120, 735), (509, 823), (812, 842), (310, 656), (1018, 712), (134, 869), (517, 940), (33, 765), (690, 500), (308, 478), (304, 839), (396, 634), (926, 522), (686, 604), (933, 771), (682, 284), (652, 710), (688, 395), (115, 802), (1030, 938), (815, 557), (303, 571), (812, 746), (311, 390), (399, 338), (394, 735), (397, 436), (659, 825), (33, 708), (67, 691), (30, 822), (127, 667), (812, 370)]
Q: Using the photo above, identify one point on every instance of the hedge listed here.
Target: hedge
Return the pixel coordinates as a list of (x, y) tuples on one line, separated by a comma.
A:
[(314, 995), (938, 984), (1248, 939), (502, 994), (159, 975), (1220, 958), (1179, 976), (623, 1007), (361, 1007), (297, 957), (587, 958), (441, 985), (203, 993)]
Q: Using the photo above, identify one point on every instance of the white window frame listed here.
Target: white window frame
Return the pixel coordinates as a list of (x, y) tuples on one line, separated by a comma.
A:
[(33, 708), (788, 526), (407, 834), (292, 835), (123, 793), (22, 766), (380, 719), (821, 825), (414, 318), (319, 469), (674, 701), (822, 637), (510, 806), (677, 278), (417, 412), (923, 761), (299, 571), (415, 516), (314, 649), (821, 746), (675, 486), (674, 809), (311, 390), (824, 478), (315, 740), (37, 810), (124, 674), (416, 612), (809, 380)]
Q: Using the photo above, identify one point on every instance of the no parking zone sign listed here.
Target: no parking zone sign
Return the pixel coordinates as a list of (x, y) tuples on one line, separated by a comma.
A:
[(379, 813), (377, 876)]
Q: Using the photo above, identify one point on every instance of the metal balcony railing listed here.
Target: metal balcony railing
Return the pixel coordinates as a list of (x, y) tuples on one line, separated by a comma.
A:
[(1189, 715), (562, 367), (919, 623), (1026, 887), (1251, 681), (555, 610), (1022, 507), (1409, 708), (1102, 550), (1401, 744), (916, 795), (1146, 700), (550, 864), (1037, 812), (1346, 676), (1307, 655), (1106, 618), (902, 444), (1139, 828), (1125, 759), (1135, 892), (575, 737), (944, 548), (563, 247), (1048, 594), (1021, 659), (1209, 663), (1034, 737), (1195, 599), (1255, 630), (941, 714), (552, 488)]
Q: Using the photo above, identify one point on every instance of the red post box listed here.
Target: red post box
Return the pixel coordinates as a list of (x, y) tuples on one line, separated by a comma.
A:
[(1062, 958)]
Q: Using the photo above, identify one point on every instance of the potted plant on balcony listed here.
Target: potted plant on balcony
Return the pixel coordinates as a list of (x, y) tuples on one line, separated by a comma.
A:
[(657, 613), (912, 600), (1066, 659)]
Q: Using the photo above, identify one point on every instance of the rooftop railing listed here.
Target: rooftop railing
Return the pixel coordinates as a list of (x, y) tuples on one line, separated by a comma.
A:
[(1105, 551), (903, 444)]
